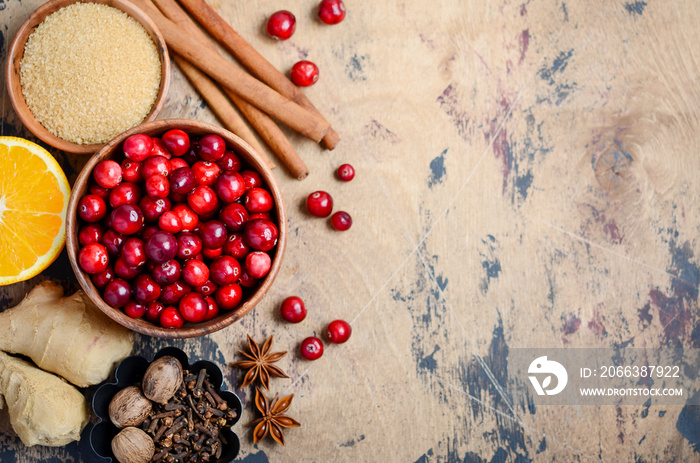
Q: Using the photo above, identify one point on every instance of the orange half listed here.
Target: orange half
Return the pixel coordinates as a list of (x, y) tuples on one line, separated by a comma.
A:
[(34, 195)]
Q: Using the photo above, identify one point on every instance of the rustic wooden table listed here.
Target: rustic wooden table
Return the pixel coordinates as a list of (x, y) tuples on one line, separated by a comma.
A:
[(527, 176)]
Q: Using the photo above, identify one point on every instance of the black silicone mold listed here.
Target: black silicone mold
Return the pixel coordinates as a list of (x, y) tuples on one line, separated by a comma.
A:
[(130, 372)]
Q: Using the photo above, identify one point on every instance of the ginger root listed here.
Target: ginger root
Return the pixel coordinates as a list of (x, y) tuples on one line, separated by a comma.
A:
[(44, 409), (68, 336)]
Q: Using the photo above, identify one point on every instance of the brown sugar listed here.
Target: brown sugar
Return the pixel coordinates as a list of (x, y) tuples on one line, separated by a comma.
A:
[(89, 72)]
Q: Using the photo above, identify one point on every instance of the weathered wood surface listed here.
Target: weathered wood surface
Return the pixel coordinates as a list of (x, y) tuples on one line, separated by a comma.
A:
[(527, 176)]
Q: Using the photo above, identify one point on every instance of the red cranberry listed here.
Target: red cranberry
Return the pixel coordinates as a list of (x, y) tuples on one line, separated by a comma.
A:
[(166, 273), (170, 222), (159, 149), (93, 258), (155, 165), (134, 252), (97, 190), (293, 309), (341, 221), (311, 348), (131, 171), (212, 308), (89, 234), (224, 270), (319, 204), (331, 11), (258, 200), (107, 174), (195, 272), (188, 218), (193, 307), (125, 193), (338, 331), (138, 147), (252, 179), (112, 241), (153, 208), (346, 172), (304, 73), (235, 247), (188, 245), (127, 219), (212, 253), (117, 293), (92, 208), (153, 311), (207, 289), (229, 162), (202, 200), (146, 289), (134, 309), (100, 280), (148, 231), (126, 271), (229, 186), (260, 235), (213, 234), (171, 318), (176, 141), (205, 172), (212, 147), (246, 280), (178, 163), (228, 297), (258, 264), (234, 216), (157, 186), (182, 180), (191, 156), (161, 246), (280, 25), (260, 215), (172, 293)]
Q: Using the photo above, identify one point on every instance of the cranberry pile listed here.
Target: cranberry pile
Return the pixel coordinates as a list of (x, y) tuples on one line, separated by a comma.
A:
[(178, 230)]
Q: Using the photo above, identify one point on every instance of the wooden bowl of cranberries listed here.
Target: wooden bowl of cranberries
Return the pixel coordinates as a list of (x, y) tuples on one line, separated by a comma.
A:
[(176, 228)]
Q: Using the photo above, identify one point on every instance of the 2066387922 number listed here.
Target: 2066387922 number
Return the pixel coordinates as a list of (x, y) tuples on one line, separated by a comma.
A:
[(636, 371)]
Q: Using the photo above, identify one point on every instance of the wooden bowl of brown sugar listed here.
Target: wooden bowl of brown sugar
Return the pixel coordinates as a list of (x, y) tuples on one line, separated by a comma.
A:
[(76, 93)]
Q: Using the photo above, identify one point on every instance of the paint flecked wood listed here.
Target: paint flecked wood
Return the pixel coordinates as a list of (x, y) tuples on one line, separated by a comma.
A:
[(527, 176)]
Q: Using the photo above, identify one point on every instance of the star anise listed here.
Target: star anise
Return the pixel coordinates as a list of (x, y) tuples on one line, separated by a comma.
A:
[(273, 419), (260, 363)]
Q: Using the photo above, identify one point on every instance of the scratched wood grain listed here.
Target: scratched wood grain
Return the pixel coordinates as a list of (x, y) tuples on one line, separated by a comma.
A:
[(527, 176)]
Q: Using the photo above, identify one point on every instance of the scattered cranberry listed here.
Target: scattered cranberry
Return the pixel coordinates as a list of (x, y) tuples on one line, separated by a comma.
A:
[(228, 297), (176, 141), (235, 247), (93, 258), (167, 272), (155, 165), (153, 208), (100, 280), (252, 179), (229, 162), (212, 147), (258, 200), (213, 234), (92, 208), (234, 216), (341, 221), (319, 204), (293, 309), (346, 172), (212, 308), (205, 172), (331, 11), (224, 270), (203, 200), (146, 289), (193, 307), (281, 25), (260, 235), (107, 174), (157, 186), (161, 246), (170, 317), (338, 331), (258, 264), (311, 348), (173, 292), (304, 73), (170, 222), (153, 311), (127, 219), (195, 273), (131, 171), (117, 293), (124, 193), (134, 252), (89, 234), (138, 147)]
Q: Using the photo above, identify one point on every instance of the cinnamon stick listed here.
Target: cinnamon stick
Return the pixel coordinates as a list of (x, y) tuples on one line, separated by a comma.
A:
[(220, 105), (245, 86), (266, 127), (251, 59)]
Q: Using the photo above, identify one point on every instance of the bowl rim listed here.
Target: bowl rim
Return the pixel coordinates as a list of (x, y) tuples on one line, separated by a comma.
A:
[(16, 52), (189, 330)]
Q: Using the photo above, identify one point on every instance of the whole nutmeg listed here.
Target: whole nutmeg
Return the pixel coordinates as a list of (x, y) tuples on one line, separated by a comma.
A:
[(129, 407), (162, 379), (132, 445)]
